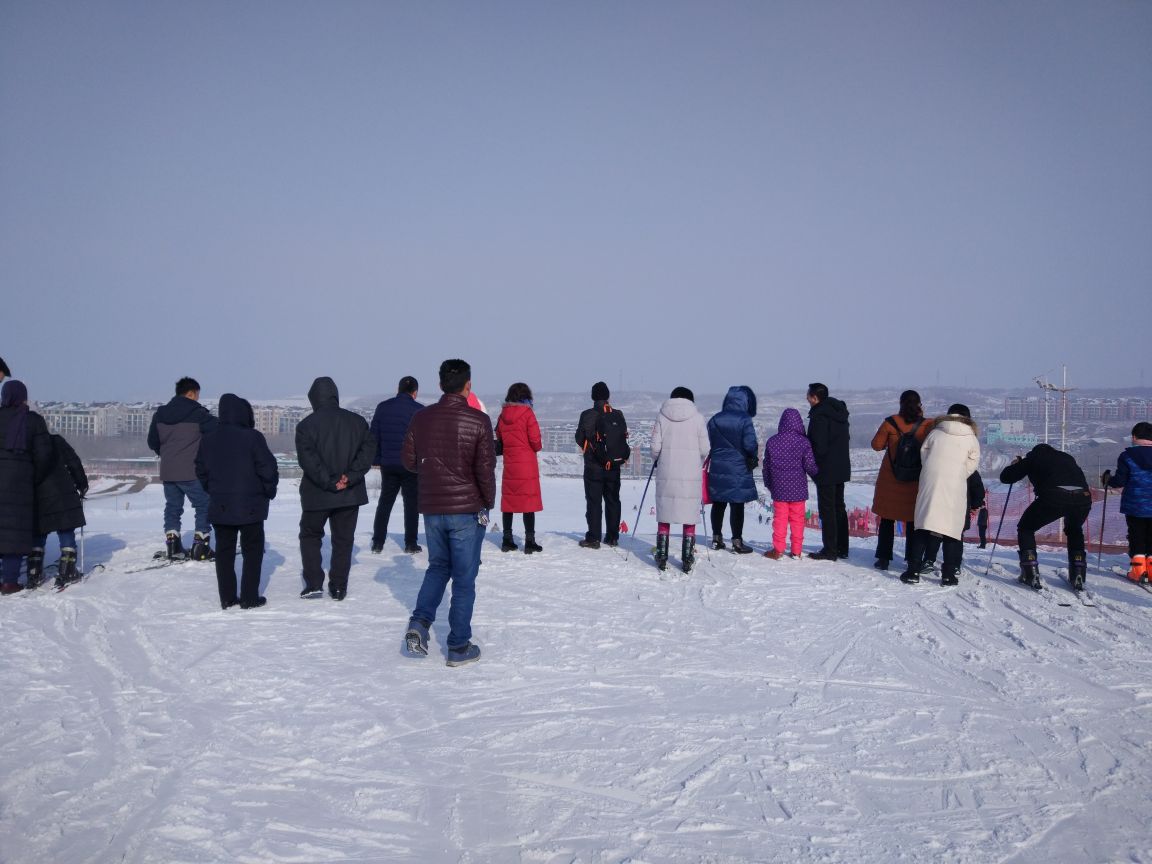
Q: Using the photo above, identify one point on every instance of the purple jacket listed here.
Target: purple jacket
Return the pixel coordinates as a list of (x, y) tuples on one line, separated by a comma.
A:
[(787, 458)]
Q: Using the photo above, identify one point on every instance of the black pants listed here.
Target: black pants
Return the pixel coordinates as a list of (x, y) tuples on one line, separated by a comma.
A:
[(393, 479), (1139, 535), (919, 543), (736, 520), (982, 525), (529, 523), (885, 537), (1072, 507), (602, 496), (833, 518), (342, 522), (252, 548)]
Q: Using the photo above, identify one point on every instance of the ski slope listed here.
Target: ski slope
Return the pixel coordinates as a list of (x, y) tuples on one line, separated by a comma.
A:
[(752, 711)]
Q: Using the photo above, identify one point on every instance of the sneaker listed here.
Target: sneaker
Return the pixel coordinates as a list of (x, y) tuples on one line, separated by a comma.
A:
[(228, 604), (173, 546), (718, 541), (459, 656), (773, 554), (337, 592), (881, 564), (309, 593), (413, 548), (589, 544), (927, 568), (822, 555), (614, 542), (416, 638), (255, 604), (910, 577), (948, 578), (377, 548)]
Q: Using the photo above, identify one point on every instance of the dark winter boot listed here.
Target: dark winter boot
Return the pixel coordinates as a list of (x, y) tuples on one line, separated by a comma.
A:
[(1077, 569), (661, 551), (201, 550), (530, 544), (1030, 569), (739, 547), (688, 553), (35, 568), (718, 541), (173, 546), (948, 576), (509, 545), (66, 571)]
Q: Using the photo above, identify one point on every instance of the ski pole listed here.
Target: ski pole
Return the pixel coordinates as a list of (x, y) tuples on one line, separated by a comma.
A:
[(81, 550), (1103, 516), (996, 539), (640, 509)]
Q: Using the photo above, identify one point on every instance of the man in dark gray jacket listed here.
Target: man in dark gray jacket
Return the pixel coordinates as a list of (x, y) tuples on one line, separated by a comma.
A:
[(335, 450), (451, 447), (174, 435)]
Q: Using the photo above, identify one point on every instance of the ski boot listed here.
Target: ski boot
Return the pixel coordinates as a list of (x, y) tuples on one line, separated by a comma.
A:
[(1030, 569), (35, 568), (739, 547), (509, 545), (1077, 570), (530, 544), (66, 571), (662, 551), (201, 550), (718, 541), (688, 553), (1138, 572), (173, 547)]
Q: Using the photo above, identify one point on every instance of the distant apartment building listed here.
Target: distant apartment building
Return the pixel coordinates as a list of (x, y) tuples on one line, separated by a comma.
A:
[(1031, 409), (70, 419)]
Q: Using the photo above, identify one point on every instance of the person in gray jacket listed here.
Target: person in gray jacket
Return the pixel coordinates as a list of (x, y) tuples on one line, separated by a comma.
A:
[(335, 449)]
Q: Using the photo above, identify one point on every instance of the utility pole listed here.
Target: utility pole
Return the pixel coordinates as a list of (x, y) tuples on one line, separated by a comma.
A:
[(1063, 391)]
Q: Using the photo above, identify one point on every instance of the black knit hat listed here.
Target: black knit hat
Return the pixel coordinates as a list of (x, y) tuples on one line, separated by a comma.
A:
[(600, 392), (682, 393), (961, 409), (4, 368)]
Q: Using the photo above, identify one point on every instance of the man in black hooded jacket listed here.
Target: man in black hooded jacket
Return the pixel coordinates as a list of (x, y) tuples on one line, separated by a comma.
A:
[(334, 448), (828, 432)]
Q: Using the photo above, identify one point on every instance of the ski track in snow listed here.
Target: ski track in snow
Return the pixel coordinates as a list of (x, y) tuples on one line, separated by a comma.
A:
[(747, 711)]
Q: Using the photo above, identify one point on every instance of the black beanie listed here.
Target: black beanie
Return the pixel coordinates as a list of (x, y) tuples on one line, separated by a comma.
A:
[(682, 393), (4, 368), (600, 392), (961, 409)]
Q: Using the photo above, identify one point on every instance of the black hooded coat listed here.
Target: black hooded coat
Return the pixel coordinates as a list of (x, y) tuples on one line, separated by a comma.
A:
[(330, 442), (828, 432), (58, 504), (235, 466)]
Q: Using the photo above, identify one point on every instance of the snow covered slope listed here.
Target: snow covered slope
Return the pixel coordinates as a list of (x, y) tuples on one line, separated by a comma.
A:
[(750, 711)]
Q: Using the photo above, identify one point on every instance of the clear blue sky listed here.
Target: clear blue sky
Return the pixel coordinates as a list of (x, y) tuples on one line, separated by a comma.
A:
[(652, 193)]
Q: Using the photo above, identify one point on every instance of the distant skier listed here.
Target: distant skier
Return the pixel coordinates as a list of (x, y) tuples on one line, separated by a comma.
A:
[(828, 431), (1134, 476), (60, 509), (788, 463), (518, 440), (1061, 493), (602, 434), (949, 486), (389, 425), (174, 435), (679, 447), (25, 459), (734, 456), (239, 472)]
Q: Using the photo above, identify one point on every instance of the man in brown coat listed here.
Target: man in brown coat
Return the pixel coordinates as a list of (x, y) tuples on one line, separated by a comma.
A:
[(450, 446)]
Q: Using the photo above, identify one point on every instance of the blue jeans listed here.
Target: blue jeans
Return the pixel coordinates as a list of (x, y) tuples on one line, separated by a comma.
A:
[(174, 492), (67, 540), (453, 556)]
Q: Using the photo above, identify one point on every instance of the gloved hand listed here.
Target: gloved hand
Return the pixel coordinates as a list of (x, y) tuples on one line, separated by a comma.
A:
[(482, 516), (1106, 477)]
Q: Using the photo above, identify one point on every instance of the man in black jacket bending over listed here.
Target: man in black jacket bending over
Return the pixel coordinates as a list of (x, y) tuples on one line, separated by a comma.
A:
[(828, 432), (335, 449)]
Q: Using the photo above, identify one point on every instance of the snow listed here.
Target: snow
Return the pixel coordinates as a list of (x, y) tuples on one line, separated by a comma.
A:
[(750, 711)]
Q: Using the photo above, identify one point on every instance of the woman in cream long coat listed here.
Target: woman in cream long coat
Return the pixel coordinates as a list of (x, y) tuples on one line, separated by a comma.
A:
[(949, 455), (679, 446)]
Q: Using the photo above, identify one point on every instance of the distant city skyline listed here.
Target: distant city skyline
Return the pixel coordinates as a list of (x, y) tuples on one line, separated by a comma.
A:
[(882, 193)]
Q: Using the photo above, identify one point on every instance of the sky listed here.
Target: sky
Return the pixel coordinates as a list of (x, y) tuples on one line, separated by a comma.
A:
[(649, 193)]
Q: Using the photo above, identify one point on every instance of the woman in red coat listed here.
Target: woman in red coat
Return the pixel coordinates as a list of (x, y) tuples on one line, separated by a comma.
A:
[(518, 439)]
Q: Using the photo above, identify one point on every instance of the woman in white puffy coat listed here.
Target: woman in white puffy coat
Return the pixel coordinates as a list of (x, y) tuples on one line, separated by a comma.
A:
[(950, 456), (679, 446)]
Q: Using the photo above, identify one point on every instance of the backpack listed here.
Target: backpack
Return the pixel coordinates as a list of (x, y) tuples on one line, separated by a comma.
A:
[(906, 459), (610, 443)]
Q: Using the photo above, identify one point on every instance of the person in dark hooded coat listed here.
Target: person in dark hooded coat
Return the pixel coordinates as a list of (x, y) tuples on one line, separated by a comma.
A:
[(734, 456), (828, 432), (238, 471), (335, 449), (60, 509), (25, 459)]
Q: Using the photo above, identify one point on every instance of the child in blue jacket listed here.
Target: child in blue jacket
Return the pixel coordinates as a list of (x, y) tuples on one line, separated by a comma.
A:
[(1134, 475)]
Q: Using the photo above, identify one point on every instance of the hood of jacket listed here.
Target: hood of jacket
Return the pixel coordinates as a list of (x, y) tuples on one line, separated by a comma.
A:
[(791, 421), (323, 394), (740, 398), (677, 410), (831, 409), (955, 424), (235, 411)]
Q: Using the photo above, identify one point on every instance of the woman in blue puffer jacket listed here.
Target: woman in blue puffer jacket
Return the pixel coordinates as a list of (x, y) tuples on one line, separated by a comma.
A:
[(733, 458)]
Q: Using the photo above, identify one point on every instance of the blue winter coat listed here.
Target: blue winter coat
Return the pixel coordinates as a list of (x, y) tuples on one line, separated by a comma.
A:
[(235, 467), (734, 448), (1134, 473), (390, 425)]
